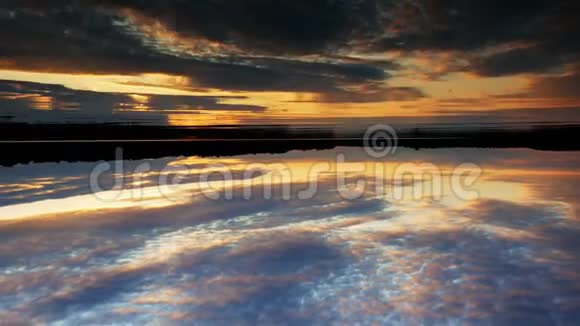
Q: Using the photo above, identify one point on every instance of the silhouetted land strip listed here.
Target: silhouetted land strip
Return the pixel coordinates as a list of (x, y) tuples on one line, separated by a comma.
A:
[(25, 143)]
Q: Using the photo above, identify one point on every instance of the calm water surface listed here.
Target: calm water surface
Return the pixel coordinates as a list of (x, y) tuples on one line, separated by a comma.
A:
[(174, 244)]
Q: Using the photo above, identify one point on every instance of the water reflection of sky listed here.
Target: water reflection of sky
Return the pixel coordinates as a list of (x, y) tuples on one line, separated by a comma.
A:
[(508, 256)]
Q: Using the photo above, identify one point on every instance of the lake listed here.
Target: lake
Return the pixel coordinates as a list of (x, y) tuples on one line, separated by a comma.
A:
[(442, 236)]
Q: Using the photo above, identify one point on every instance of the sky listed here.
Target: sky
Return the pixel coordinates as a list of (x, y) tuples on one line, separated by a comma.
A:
[(295, 62)]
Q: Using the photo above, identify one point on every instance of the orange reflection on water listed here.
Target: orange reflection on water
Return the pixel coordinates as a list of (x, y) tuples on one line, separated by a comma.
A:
[(419, 185), (435, 257)]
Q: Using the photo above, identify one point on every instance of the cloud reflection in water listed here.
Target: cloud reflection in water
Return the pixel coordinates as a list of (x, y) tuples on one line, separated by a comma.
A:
[(509, 256)]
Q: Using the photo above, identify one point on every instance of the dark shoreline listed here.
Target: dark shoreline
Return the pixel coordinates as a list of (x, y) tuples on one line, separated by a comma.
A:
[(19, 143)]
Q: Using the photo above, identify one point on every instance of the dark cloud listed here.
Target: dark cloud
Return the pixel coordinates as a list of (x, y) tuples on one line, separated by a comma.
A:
[(507, 118), (462, 25), (38, 102), (563, 86), (440, 25), (518, 61), (86, 37), (548, 28), (286, 45), (373, 93), (285, 26)]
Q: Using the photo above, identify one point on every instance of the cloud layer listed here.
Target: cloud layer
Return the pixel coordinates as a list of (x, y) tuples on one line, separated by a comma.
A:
[(334, 51)]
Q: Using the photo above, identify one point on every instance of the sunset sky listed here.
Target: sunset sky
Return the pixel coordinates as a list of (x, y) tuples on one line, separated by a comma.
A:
[(216, 62)]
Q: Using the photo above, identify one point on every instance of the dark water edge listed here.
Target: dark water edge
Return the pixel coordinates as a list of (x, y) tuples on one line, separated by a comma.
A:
[(23, 143)]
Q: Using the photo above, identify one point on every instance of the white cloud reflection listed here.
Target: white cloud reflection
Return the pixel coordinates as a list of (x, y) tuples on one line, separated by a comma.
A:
[(509, 256)]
